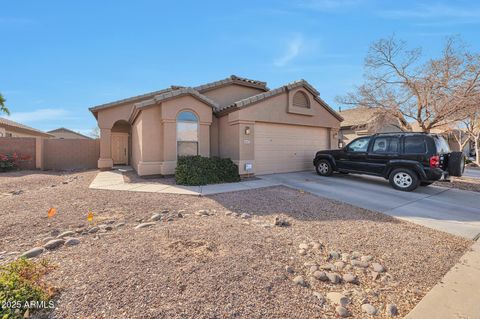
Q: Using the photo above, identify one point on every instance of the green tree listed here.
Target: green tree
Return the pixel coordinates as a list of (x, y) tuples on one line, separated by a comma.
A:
[(3, 107)]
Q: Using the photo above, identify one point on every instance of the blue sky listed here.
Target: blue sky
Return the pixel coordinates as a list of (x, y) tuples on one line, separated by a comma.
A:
[(58, 58)]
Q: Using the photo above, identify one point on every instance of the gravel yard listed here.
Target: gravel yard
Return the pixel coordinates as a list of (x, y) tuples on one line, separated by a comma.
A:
[(463, 183), (219, 256)]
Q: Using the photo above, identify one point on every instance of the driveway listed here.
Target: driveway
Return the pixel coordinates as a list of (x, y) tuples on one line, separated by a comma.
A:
[(450, 210)]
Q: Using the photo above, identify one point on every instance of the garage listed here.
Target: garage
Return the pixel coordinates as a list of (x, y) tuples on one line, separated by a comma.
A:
[(281, 148)]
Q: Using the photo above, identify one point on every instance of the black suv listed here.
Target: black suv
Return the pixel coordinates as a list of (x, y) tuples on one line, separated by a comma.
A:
[(405, 159)]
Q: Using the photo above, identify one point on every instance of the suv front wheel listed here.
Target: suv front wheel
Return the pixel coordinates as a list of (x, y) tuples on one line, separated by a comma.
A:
[(324, 168), (404, 179)]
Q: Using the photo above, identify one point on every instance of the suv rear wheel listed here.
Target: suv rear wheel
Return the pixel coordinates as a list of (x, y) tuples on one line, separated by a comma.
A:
[(404, 179), (324, 168)]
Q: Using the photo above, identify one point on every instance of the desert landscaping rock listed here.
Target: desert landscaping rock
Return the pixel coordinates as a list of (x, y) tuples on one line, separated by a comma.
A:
[(34, 252), (320, 275), (72, 242), (119, 225), (339, 265), (320, 297), (303, 246), (144, 225), (54, 232), (93, 230), (289, 269), (313, 268), (67, 233), (350, 278), (391, 310), (202, 212), (375, 275), (245, 216), (366, 259), (356, 255), (300, 281), (47, 239), (334, 255), (54, 244), (281, 222), (333, 277), (156, 217), (342, 312), (378, 268), (337, 298), (302, 252), (369, 309)]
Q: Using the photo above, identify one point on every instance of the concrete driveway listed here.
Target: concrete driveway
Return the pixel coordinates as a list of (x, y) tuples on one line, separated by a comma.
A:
[(450, 210)]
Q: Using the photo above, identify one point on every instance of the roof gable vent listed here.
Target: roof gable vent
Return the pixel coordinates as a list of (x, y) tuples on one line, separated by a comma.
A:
[(300, 99)]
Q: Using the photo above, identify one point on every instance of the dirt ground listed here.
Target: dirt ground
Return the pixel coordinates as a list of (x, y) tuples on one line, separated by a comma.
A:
[(463, 183), (217, 265)]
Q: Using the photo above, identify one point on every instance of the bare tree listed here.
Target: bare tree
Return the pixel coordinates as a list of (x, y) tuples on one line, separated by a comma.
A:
[(95, 132), (432, 93), (472, 128)]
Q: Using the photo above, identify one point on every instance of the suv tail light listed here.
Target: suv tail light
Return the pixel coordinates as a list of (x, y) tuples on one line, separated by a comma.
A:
[(435, 161)]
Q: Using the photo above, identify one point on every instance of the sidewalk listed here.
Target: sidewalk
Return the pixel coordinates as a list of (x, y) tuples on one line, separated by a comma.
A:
[(113, 180), (457, 295)]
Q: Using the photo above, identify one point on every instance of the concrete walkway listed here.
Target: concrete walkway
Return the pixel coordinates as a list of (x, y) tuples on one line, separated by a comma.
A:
[(113, 180), (457, 295), (472, 172), (450, 210)]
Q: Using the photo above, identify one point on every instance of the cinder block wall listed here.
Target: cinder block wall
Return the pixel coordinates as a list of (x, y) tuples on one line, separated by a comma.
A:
[(23, 146), (70, 154)]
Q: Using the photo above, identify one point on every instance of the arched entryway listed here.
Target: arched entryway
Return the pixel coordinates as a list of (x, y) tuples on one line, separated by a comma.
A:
[(121, 143)]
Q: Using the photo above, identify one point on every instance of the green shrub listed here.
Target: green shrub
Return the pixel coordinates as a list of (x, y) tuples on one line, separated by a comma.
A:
[(22, 288), (197, 170)]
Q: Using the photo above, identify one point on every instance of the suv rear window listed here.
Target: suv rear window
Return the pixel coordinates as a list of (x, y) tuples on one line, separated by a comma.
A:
[(385, 145), (442, 145), (415, 145)]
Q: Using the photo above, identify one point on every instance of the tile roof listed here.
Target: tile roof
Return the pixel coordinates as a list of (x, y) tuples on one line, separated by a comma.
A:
[(232, 79), (176, 93), (4, 121), (200, 88), (361, 116), (132, 99), (287, 87)]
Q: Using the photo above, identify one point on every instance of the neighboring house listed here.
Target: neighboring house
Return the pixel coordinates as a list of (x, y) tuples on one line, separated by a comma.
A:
[(263, 131), (451, 136), (9, 128), (64, 133), (362, 121)]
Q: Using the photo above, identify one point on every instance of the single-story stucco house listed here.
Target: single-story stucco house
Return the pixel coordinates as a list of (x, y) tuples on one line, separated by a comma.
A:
[(64, 133), (263, 131), (363, 121), (9, 128)]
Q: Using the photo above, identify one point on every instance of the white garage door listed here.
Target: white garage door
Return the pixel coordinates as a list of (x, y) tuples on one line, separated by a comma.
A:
[(283, 148)]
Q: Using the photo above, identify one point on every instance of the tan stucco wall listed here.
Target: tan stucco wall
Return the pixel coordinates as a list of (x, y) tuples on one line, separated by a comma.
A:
[(18, 132), (231, 93)]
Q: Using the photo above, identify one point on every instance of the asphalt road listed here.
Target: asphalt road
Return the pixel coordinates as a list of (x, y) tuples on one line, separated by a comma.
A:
[(450, 210)]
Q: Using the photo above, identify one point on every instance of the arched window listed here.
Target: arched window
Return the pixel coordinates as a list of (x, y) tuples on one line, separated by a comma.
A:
[(187, 134), (300, 99)]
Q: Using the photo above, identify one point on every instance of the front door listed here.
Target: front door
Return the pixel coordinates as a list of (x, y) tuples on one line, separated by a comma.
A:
[(120, 148)]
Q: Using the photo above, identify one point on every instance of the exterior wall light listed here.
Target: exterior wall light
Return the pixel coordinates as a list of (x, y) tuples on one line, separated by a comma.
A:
[(247, 130)]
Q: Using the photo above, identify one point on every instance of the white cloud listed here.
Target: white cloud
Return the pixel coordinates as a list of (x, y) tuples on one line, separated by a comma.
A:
[(295, 46), (41, 115)]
